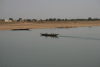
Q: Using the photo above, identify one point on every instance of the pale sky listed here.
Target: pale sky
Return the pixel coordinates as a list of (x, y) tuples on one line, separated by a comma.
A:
[(45, 9)]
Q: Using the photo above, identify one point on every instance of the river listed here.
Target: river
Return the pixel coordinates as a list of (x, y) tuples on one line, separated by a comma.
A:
[(74, 47)]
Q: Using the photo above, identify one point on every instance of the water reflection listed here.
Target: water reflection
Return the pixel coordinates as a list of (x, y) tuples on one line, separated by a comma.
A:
[(51, 36)]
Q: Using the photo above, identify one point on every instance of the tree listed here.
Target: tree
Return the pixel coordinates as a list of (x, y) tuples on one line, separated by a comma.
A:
[(89, 18), (41, 20), (46, 19), (20, 18), (11, 19), (62, 19), (50, 19), (96, 19), (29, 20), (59, 19), (54, 19), (65, 19)]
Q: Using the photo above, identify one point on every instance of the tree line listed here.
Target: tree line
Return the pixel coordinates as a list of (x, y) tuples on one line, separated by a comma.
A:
[(54, 19)]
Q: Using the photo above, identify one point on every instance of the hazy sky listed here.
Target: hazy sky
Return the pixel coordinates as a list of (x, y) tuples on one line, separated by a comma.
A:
[(45, 9)]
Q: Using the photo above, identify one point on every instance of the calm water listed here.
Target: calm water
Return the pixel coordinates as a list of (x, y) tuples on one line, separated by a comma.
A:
[(74, 47)]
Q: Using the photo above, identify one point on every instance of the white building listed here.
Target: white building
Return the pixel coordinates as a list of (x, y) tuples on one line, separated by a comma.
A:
[(8, 20)]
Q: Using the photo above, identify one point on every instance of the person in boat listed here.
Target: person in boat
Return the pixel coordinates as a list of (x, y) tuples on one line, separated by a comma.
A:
[(46, 34)]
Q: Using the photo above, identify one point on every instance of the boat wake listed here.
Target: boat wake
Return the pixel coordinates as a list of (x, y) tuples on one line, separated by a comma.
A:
[(80, 37)]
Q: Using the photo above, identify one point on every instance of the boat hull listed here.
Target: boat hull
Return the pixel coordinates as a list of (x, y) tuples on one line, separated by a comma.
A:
[(49, 34), (20, 29)]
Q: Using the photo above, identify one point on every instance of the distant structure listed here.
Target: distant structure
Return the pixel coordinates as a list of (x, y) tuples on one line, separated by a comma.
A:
[(7, 20)]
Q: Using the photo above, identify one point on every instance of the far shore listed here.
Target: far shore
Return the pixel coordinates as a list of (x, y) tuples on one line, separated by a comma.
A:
[(46, 24)]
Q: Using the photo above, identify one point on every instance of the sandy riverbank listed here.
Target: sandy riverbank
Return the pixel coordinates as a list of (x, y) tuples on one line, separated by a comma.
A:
[(49, 24)]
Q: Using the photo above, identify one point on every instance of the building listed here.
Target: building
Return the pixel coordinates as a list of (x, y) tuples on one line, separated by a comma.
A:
[(7, 20)]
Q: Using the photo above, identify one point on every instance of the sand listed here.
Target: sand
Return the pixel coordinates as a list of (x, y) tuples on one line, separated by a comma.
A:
[(48, 24)]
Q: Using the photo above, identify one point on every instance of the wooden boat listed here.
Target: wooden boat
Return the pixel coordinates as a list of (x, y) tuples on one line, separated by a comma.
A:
[(20, 29), (48, 34), (52, 36)]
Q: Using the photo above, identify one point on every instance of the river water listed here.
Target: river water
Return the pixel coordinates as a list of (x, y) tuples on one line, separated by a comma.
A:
[(74, 47)]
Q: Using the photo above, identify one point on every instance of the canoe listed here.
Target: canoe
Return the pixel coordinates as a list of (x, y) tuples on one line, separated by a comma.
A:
[(48, 34), (20, 29)]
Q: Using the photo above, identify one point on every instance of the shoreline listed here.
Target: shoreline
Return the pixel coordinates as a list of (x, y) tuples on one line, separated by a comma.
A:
[(31, 25)]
